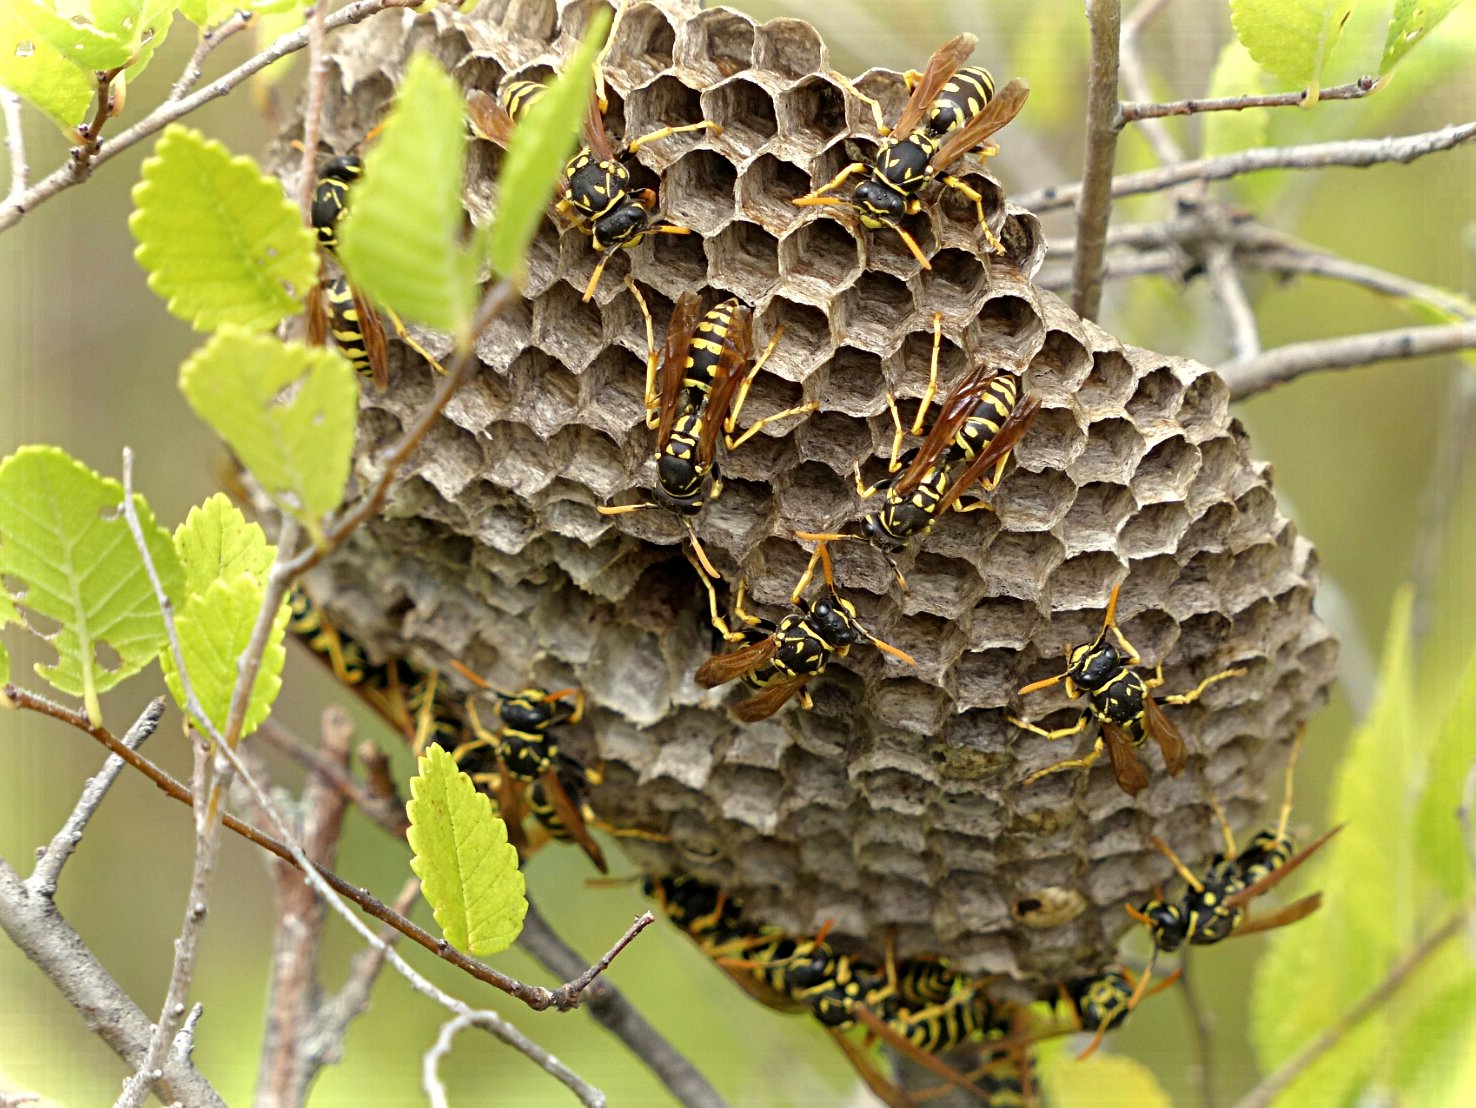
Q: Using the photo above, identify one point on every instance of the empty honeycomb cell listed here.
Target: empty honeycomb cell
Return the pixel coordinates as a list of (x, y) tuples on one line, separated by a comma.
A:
[(820, 256), (1023, 239), (1096, 516), (873, 313), (1107, 388), (1086, 575), (856, 383), (1166, 472), (956, 282), (1063, 361), (1113, 447), (791, 49), (806, 342), (888, 89), (1155, 398), (746, 112), (641, 44), (1002, 622), (716, 43), (595, 463), (747, 257), (983, 679), (1201, 635), (810, 115), (1019, 564), (699, 188), (674, 264), (549, 397), (1154, 530), (940, 586), (1028, 501), (1053, 441), (1204, 407), (766, 187)]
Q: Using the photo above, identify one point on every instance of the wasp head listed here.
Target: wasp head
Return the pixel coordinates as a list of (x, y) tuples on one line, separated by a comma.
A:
[(1094, 664), (622, 226), (880, 204), (834, 621)]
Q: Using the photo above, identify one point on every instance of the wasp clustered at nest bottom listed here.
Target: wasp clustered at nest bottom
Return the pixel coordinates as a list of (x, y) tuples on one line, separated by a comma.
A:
[(895, 814)]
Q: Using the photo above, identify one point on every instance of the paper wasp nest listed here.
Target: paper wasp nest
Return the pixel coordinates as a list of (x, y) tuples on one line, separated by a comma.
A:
[(898, 799)]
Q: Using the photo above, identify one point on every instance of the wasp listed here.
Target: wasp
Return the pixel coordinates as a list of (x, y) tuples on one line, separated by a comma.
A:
[(525, 752), (335, 306), (780, 659), (944, 119), (706, 369), (1121, 700), (596, 192), (979, 423), (1213, 907)]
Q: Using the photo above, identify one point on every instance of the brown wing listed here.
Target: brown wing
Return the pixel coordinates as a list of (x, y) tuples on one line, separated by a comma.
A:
[(722, 668), (594, 129), (773, 697), (1166, 735), (373, 332), (317, 316), (488, 118), (509, 796), (684, 319), (1005, 105), (960, 403), (1132, 778), (573, 819), (931, 1062), (726, 377), (1005, 439), (1274, 878), (1298, 909), (941, 66)]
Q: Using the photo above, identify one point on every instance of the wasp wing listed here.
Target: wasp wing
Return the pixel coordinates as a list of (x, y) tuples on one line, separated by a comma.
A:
[(372, 331), (727, 376), (944, 63), (489, 119), (684, 319), (1132, 778), (773, 697), (960, 403), (1276, 876), (572, 818), (594, 129), (1005, 105), (317, 316), (1297, 910), (1166, 735), (1005, 439), (722, 668)]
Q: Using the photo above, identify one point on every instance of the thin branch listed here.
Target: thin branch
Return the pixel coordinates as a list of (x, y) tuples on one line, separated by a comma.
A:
[(1225, 283), (33, 923), (1135, 82), (1249, 376), (1336, 268), (317, 81), (352, 999), (1202, 1034), (1262, 1095), (1135, 111), (209, 40), (82, 157), (1094, 204), (362, 796), (1357, 153), (497, 1026), (15, 145), (70, 174), (48, 867)]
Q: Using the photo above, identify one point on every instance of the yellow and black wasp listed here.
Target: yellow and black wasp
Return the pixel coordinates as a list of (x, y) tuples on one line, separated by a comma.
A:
[(951, 112), (979, 423), (706, 369), (780, 659), (596, 191), (524, 750), (1121, 700), (1214, 905)]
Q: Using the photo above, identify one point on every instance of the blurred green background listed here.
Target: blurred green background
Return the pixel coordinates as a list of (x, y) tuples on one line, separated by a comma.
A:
[(89, 362)]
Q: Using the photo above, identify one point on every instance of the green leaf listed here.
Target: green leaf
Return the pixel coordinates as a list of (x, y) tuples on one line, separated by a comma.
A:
[(1434, 1044), (1103, 1080), (216, 541), (1291, 38), (105, 34), (220, 241), (468, 870), (402, 232), (65, 542), (1236, 74), (298, 448), (214, 631), (1411, 22), (540, 146), (1438, 833), (40, 74)]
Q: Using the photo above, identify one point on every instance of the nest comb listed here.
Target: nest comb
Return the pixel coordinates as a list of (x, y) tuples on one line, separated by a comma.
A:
[(897, 801)]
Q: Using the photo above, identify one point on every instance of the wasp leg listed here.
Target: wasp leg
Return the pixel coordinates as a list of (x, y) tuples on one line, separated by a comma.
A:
[(1198, 690), (932, 391), (664, 132), (818, 195), (820, 539), (702, 559), (1060, 733), (1071, 763), (954, 183), (731, 423), (893, 465), (876, 109), (653, 402), (399, 325)]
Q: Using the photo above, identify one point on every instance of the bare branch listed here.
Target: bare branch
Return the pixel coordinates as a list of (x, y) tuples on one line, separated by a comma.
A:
[(15, 145), (572, 989), (1245, 337), (352, 999), (1336, 268), (1094, 203), (1263, 1094), (1135, 82), (1202, 1033), (317, 80), (73, 174), (366, 798), (497, 1026), (33, 924), (1133, 112), (1249, 376), (1356, 153), (49, 865), (209, 40)]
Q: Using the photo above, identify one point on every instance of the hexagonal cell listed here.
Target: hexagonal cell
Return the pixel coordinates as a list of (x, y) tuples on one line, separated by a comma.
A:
[(914, 361), (1082, 580), (1053, 441), (1061, 365), (700, 193), (549, 395), (791, 48), (1156, 398), (612, 393), (746, 112), (874, 312), (672, 263), (1107, 388), (1018, 564), (820, 255), (818, 497), (595, 462), (765, 188), (958, 209), (806, 337), (1001, 622), (1027, 501), (1007, 322), (811, 115), (1096, 515), (666, 102), (887, 88), (747, 257), (531, 19), (955, 284), (1154, 530), (1112, 451), (833, 439), (717, 43), (569, 330), (641, 44), (1205, 407)]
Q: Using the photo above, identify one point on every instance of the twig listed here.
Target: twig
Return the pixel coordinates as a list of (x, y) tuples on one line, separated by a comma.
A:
[(33, 923), (15, 145), (1319, 264), (352, 999), (1249, 376), (391, 818), (83, 155), (1262, 1095), (317, 80), (492, 1022), (68, 175), (1135, 82), (1356, 153), (1135, 111), (1202, 1034), (48, 867), (209, 40), (1094, 204), (1225, 283)]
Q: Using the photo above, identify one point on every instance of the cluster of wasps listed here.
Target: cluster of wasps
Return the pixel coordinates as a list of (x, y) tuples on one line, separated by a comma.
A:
[(696, 387)]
